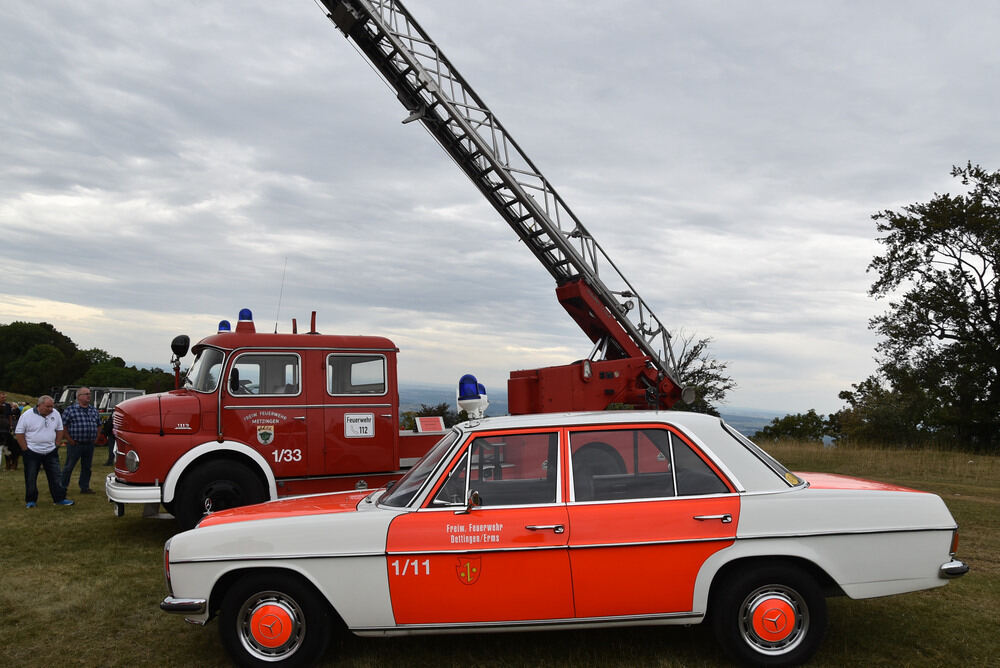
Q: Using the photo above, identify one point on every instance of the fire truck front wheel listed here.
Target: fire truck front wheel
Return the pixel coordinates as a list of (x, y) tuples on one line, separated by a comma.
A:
[(212, 486)]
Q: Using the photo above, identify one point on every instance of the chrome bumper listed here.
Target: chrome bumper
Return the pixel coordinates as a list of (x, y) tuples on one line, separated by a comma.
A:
[(183, 606), (953, 569), (119, 492)]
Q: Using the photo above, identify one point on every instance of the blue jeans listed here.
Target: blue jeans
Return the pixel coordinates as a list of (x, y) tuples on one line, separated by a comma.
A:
[(50, 462), (84, 453)]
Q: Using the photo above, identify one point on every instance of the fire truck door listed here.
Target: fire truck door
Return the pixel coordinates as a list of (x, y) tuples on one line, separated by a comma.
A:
[(264, 406), (360, 421), (503, 560)]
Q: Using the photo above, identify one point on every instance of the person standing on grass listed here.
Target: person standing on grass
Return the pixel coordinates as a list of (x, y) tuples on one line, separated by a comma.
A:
[(81, 421), (37, 432)]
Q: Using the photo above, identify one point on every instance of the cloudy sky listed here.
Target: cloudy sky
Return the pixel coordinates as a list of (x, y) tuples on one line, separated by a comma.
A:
[(165, 164)]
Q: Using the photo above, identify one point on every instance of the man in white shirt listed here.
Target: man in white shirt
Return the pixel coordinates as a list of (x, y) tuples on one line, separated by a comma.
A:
[(37, 432)]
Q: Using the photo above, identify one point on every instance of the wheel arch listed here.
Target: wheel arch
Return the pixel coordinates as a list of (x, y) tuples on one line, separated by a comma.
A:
[(213, 451), (720, 566), (231, 577), (826, 583)]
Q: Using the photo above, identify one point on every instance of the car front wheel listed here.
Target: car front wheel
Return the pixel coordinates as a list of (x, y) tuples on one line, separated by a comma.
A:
[(274, 619), (770, 616)]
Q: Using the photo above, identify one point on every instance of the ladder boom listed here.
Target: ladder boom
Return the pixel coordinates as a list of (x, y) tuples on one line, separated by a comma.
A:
[(434, 92)]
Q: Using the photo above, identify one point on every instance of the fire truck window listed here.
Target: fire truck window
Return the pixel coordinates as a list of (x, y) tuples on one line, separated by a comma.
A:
[(265, 374), (205, 371), (621, 464), (355, 374), (514, 469)]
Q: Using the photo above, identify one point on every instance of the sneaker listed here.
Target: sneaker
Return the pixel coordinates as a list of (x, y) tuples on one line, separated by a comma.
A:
[(30, 504), (86, 491), (65, 502)]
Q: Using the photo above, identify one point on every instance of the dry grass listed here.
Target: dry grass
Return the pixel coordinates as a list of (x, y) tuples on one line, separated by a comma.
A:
[(80, 587)]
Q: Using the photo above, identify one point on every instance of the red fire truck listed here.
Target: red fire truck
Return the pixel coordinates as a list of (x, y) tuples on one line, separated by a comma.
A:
[(268, 415), (261, 416)]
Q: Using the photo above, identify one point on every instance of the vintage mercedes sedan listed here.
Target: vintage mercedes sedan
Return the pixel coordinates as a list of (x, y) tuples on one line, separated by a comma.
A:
[(526, 522)]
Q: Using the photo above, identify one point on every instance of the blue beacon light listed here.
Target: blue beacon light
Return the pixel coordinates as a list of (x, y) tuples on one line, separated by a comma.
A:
[(245, 315), (224, 326)]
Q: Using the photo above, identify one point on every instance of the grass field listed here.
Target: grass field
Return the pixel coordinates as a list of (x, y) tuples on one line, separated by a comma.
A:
[(80, 587)]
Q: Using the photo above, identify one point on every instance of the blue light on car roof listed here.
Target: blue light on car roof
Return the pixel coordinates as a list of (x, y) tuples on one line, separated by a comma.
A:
[(224, 326)]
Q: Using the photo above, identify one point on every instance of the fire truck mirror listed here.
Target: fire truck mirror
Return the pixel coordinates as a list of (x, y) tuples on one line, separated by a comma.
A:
[(179, 346)]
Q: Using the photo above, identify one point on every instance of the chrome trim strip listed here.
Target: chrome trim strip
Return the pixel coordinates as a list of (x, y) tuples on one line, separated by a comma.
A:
[(844, 532), (259, 406), (339, 475), (276, 557), (570, 621)]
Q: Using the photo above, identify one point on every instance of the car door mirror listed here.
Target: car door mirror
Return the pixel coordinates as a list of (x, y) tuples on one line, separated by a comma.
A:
[(473, 501)]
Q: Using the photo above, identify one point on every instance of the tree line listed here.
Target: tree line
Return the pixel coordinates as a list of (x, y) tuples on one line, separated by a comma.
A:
[(938, 376), (35, 357)]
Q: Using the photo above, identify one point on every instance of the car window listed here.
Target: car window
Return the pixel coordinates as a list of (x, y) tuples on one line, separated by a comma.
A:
[(620, 464), (506, 470)]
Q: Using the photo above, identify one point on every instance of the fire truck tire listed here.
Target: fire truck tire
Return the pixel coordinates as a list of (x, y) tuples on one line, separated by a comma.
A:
[(771, 615), (272, 618), (216, 485)]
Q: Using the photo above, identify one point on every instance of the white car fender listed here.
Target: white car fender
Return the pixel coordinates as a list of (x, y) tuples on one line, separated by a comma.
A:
[(185, 460)]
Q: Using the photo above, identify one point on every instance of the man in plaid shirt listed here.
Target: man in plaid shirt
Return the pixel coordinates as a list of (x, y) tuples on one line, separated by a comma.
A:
[(81, 421)]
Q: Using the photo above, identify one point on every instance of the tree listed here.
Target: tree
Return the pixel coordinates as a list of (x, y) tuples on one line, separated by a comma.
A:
[(808, 426), (699, 369), (941, 332), (37, 371)]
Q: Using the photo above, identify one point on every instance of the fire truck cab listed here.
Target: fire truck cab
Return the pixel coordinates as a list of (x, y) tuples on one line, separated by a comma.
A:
[(261, 416)]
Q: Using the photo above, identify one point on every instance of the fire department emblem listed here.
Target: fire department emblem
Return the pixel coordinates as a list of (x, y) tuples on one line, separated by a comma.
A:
[(469, 569), (265, 434)]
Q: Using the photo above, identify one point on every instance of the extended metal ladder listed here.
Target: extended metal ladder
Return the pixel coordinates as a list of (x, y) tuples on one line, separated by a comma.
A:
[(434, 92)]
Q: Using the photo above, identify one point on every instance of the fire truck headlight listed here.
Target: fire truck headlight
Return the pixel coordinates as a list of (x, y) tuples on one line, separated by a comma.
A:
[(132, 461)]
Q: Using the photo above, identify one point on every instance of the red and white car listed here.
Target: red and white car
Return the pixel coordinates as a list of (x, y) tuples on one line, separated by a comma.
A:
[(525, 522)]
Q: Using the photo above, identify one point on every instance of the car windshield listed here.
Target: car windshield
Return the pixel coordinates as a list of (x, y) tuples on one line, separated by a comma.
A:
[(402, 492), (204, 374)]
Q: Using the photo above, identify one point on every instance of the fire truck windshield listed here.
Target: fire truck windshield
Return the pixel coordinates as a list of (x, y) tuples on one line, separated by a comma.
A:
[(204, 374)]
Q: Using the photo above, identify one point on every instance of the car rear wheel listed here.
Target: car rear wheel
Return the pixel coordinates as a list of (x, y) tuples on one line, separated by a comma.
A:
[(215, 486), (770, 616), (270, 619)]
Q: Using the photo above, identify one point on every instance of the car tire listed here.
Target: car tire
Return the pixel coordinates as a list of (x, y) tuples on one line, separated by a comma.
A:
[(274, 619), (215, 486), (769, 616)]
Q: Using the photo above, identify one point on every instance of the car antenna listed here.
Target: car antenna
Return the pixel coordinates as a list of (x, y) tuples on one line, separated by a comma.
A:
[(281, 292)]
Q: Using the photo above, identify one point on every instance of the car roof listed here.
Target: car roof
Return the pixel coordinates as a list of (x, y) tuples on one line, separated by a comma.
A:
[(743, 462)]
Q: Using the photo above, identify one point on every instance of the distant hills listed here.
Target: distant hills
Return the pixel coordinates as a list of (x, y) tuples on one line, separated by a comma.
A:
[(747, 421)]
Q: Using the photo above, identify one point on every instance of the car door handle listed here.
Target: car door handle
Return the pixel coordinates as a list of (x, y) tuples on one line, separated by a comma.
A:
[(726, 518), (556, 528), (299, 417)]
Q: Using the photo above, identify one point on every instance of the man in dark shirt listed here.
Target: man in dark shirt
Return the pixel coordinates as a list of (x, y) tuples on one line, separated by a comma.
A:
[(81, 421)]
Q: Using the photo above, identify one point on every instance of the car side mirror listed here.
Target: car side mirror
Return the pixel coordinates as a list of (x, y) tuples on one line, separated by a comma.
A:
[(473, 501)]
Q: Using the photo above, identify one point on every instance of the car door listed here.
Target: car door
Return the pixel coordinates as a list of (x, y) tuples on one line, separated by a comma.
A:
[(647, 511), (504, 560)]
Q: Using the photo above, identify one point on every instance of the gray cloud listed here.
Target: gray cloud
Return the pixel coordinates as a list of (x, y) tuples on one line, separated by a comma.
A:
[(160, 163)]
